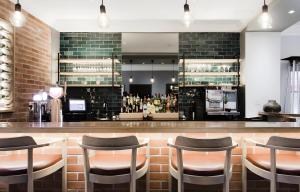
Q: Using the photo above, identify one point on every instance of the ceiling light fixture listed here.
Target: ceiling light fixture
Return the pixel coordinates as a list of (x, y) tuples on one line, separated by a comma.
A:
[(291, 11), (265, 19), (173, 77), (17, 18), (103, 20), (131, 79), (152, 78), (187, 17)]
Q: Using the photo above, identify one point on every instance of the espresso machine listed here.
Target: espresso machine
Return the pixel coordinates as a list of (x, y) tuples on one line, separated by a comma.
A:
[(39, 110)]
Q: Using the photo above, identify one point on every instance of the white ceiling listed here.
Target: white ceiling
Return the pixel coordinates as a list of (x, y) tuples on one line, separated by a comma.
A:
[(294, 30), (145, 15), (281, 18)]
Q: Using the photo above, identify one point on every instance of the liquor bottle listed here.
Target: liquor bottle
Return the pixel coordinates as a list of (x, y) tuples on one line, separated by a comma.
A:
[(137, 103), (141, 106), (145, 111)]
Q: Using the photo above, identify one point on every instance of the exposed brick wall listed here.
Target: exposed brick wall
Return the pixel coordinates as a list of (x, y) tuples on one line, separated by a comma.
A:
[(158, 166), (32, 61)]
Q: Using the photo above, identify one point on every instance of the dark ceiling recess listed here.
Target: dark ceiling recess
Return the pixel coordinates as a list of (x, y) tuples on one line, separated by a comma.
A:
[(147, 59)]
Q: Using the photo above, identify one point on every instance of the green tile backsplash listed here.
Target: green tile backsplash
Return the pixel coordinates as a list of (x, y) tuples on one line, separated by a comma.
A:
[(209, 45), (74, 45), (90, 45)]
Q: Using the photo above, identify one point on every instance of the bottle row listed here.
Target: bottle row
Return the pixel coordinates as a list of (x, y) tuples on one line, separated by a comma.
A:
[(149, 105)]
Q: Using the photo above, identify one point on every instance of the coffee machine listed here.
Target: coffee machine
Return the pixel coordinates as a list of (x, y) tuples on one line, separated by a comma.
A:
[(39, 110)]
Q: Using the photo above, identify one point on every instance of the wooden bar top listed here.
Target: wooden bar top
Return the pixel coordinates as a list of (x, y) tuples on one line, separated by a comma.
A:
[(151, 127)]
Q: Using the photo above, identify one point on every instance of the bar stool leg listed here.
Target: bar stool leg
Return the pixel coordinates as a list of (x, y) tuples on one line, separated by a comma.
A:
[(273, 171), (244, 168), (133, 171), (180, 185), (226, 185), (170, 182), (273, 186), (30, 171), (64, 179), (148, 181), (244, 178)]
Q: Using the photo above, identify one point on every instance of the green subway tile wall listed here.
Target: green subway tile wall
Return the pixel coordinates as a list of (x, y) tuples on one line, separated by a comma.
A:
[(209, 45), (90, 45), (74, 45), (205, 46)]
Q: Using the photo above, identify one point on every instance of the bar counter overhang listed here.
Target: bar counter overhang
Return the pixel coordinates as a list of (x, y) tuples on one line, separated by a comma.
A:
[(150, 127), (158, 133)]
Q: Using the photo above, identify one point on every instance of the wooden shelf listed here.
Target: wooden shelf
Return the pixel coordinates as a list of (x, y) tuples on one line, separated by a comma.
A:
[(209, 73), (88, 74), (221, 85), (89, 61), (81, 85), (208, 61)]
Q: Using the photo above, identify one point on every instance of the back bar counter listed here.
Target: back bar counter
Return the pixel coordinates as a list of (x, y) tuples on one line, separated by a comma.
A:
[(158, 133)]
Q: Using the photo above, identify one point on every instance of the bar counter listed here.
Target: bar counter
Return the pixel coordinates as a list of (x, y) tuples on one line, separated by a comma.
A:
[(151, 127), (158, 133)]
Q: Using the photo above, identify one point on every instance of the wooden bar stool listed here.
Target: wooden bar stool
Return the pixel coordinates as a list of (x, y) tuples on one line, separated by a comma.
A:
[(114, 168), (271, 165), (203, 168), (25, 168)]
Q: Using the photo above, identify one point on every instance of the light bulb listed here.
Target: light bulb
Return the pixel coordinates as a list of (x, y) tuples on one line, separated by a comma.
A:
[(152, 80), (17, 18), (103, 20), (173, 79), (265, 20), (187, 19), (130, 79)]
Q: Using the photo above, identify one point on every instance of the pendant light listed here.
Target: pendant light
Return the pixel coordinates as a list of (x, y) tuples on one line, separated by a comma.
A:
[(187, 17), (265, 19), (17, 18), (173, 77), (131, 79), (152, 78), (103, 20)]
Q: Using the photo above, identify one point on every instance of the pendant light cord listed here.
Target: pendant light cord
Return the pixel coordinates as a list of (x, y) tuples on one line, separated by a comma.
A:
[(152, 67), (102, 2), (173, 67), (131, 67)]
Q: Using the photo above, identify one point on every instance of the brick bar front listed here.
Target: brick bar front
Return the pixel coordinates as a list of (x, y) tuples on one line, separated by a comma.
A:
[(159, 176)]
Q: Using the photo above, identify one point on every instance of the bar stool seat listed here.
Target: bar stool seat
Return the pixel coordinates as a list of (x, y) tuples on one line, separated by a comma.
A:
[(285, 163), (115, 161), (16, 164), (200, 161), (114, 164), (204, 165)]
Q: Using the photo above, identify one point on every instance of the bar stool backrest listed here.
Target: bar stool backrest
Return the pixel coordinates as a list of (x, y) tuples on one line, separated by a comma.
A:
[(203, 143), (110, 142), (17, 142), (284, 142)]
